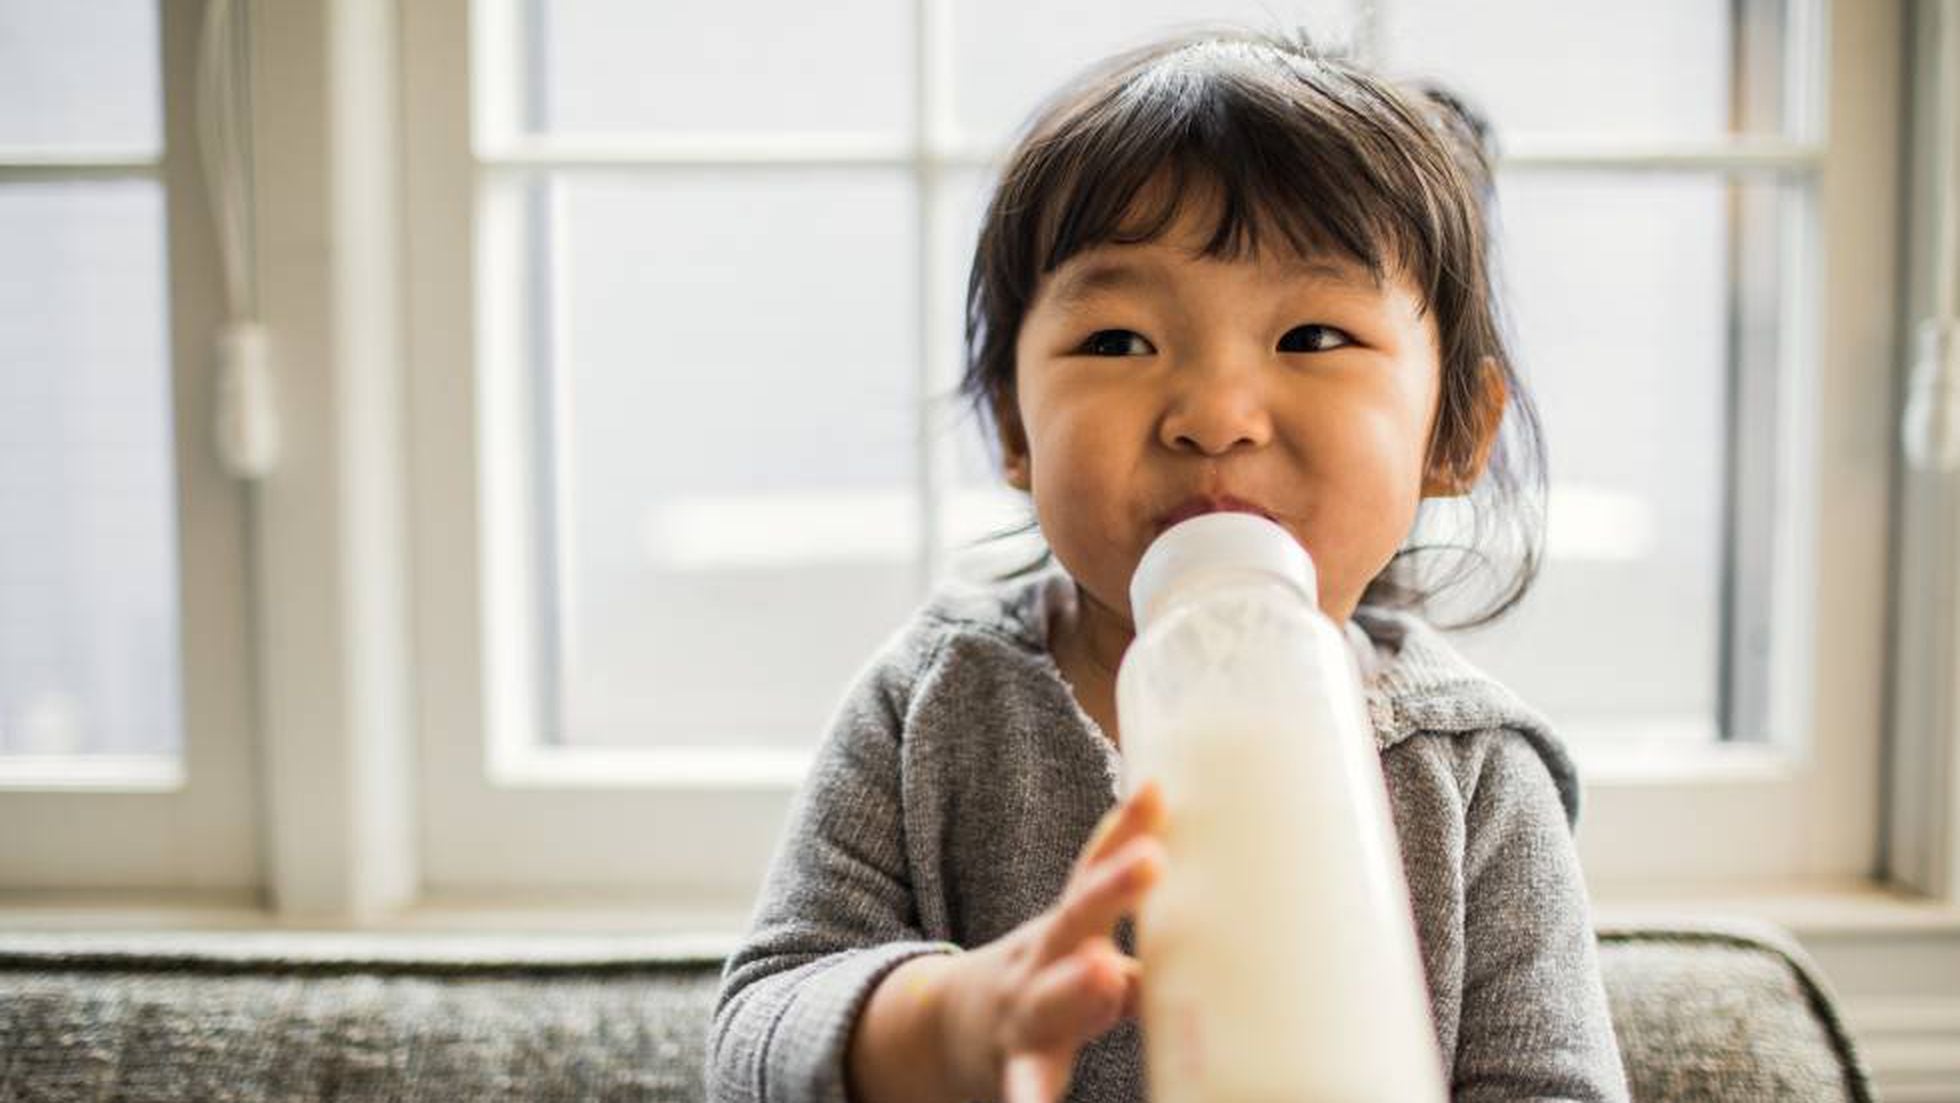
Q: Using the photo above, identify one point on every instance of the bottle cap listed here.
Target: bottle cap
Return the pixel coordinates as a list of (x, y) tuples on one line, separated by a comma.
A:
[(1213, 544)]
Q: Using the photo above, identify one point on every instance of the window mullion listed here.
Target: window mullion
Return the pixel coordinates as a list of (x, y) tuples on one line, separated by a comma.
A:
[(931, 85), (766, 151), (1922, 832), (708, 150), (330, 537), (1553, 152), (21, 167)]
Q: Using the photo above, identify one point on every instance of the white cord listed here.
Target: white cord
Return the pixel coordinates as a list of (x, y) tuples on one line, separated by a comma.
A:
[(1946, 287), (1931, 429), (246, 426)]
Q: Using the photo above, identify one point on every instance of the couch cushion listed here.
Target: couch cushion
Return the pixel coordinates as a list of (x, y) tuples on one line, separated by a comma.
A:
[(1703, 1014), (1723, 1012), (351, 1019)]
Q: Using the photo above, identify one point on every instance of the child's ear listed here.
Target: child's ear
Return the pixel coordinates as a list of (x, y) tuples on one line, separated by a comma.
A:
[(1015, 465), (1452, 475)]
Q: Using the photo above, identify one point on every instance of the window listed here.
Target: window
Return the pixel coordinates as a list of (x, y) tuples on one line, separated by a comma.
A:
[(1658, 266), (90, 658), (675, 345), (123, 709), (707, 452)]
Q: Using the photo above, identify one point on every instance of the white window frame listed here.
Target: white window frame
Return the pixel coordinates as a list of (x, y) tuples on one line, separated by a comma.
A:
[(502, 818), (183, 824), (1923, 828)]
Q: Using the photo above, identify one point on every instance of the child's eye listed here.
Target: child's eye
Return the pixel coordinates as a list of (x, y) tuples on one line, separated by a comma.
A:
[(1116, 342), (1313, 338)]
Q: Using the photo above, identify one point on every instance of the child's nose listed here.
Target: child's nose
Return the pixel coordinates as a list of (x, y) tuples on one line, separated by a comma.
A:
[(1215, 408)]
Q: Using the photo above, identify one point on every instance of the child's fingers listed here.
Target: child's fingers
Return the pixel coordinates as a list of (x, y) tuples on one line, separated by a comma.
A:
[(1074, 999), (1036, 1077), (1132, 987), (1109, 891), (1141, 812)]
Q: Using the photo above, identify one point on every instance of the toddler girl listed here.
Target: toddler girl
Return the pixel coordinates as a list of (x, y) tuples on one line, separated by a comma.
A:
[(1224, 272)]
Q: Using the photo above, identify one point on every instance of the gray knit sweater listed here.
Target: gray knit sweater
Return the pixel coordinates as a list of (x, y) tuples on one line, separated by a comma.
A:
[(960, 779)]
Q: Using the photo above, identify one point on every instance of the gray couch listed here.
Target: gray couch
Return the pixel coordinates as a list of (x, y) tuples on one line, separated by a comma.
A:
[(1703, 1013)]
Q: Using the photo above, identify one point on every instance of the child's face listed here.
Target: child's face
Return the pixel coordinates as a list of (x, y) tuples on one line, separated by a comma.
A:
[(1153, 382)]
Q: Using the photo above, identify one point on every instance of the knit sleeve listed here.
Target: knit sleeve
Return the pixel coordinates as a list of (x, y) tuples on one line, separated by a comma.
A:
[(835, 915), (1535, 1023)]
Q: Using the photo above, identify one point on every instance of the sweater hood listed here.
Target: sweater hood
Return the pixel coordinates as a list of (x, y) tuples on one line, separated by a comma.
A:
[(1413, 681)]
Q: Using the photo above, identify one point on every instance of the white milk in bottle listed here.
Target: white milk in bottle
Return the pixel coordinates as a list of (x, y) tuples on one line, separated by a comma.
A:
[(1278, 949)]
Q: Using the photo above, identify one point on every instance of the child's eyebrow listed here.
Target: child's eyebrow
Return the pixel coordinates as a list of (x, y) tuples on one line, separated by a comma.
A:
[(1326, 271), (1100, 276), (1097, 277)]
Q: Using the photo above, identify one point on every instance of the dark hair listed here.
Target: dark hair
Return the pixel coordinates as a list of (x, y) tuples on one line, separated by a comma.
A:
[(1300, 143)]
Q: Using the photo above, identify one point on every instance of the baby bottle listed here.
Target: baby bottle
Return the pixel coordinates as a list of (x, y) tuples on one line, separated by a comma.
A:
[(1278, 949)]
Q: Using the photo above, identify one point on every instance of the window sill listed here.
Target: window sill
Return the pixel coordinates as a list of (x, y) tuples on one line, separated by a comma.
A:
[(91, 773), (1645, 756), (1808, 910), (1635, 761)]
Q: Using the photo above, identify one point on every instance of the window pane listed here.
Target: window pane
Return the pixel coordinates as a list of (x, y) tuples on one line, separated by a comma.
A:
[(88, 538), (1600, 68), (627, 65), (1621, 291), (979, 503), (1673, 69), (1621, 294), (1007, 57), (734, 423), (79, 75)]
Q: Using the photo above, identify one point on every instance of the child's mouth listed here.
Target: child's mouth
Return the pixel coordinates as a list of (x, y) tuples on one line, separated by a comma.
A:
[(1199, 504)]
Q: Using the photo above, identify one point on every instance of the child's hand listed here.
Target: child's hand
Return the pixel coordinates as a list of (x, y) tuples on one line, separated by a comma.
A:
[(1023, 1005)]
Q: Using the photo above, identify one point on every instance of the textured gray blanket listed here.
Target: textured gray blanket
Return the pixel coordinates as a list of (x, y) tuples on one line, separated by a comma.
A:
[(1702, 1016)]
